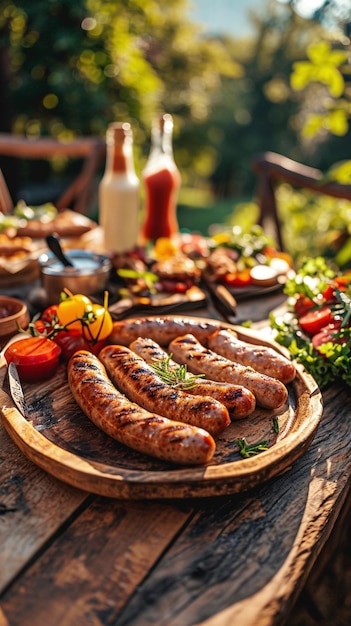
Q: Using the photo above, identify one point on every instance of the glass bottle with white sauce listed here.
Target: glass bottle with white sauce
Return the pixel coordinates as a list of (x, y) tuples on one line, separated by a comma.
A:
[(119, 191)]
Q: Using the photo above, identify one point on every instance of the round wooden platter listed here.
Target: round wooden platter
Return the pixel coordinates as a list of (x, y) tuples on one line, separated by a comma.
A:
[(60, 439)]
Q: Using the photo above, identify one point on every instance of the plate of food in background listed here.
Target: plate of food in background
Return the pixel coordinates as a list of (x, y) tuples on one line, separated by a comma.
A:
[(248, 264), (23, 233), (156, 280)]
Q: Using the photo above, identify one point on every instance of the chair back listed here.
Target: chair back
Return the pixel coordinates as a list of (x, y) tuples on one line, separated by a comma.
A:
[(272, 168), (91, 151)]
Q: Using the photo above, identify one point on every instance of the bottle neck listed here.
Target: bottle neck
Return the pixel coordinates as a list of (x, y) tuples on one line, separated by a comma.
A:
[(161, 150), (119, 140)]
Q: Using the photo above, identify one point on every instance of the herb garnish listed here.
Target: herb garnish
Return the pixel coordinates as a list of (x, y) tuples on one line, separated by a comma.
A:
[(150, 278), (248, 450), (175, 375)]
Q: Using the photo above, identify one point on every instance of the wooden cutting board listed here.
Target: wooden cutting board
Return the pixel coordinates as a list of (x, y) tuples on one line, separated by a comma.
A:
[(60, 439)]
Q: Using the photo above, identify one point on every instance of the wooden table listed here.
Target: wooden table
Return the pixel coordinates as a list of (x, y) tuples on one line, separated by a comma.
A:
[(69, 557)]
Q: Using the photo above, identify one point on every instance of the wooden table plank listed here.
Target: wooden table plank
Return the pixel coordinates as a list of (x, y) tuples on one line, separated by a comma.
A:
[(89, 572), (232, 560), (33, 506)]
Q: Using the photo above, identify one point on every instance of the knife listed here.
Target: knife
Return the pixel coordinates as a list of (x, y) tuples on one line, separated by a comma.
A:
[(16, 390), (223, 299)]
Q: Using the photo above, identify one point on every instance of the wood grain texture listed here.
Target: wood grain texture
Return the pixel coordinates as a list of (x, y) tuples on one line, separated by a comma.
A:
[(223, 561), (97, 564), (33, 505)]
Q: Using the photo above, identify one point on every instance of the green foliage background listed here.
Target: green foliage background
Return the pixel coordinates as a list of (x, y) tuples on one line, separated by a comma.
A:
[(69, 69)]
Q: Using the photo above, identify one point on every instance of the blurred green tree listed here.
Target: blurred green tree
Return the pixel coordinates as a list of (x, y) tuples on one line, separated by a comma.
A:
[(261, 110), (77, 66), (74, 67)]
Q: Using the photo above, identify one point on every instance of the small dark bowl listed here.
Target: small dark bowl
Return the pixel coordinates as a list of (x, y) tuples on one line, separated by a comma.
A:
[(13, 314)]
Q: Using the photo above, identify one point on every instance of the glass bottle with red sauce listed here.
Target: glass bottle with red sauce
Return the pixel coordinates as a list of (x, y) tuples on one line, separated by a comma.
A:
[(161, 182)]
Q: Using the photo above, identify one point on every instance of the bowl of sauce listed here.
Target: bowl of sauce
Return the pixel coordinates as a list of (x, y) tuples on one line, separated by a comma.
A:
[(89, 274)]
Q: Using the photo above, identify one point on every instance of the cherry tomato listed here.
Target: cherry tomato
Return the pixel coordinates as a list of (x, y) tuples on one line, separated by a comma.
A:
[(69, 341), (340, 283), (47, 321), (314, 320), (101, 325), (40, 327), (72, 340), (238, 279), (303, 305), (49, 315), (36, 358), (73, 308)]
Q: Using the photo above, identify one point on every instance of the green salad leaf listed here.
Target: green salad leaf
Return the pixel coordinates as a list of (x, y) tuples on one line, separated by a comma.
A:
[(311, 279), (331, 362)]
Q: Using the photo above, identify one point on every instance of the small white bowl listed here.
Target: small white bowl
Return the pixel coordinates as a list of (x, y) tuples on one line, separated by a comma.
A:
[(89, 275)]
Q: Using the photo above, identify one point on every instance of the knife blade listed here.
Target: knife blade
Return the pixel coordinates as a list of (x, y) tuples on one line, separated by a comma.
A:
[(16, 390)]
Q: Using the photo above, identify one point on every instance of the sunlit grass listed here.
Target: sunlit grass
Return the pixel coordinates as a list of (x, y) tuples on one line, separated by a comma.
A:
[(198, 211)]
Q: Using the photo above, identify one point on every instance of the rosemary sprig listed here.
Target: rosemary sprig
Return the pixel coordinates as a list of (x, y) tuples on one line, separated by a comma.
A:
[(276, 425), (246, 450), (175, 375)]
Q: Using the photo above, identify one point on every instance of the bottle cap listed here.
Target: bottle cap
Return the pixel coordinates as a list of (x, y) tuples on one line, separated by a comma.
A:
[(164, 122)]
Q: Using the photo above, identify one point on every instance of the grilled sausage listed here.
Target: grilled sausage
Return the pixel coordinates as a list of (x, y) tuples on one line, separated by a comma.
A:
[(131, 425), (160, 329), (139, 382), (261, 358), (269, 392), (239, 401)]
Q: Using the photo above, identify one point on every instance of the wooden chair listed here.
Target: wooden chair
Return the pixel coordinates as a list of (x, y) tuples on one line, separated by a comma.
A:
[(272, 168), (91, 151)]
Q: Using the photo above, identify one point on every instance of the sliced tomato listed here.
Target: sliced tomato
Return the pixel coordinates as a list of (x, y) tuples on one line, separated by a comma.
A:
[(326, 334), (312, 321)]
